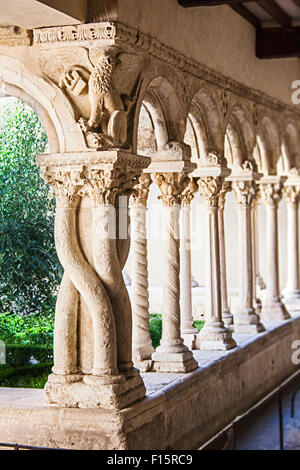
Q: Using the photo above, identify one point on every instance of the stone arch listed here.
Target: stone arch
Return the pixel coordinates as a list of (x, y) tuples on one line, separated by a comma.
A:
[(205, 125), (161, 103), (239, 139), (267, 150), (290, 157), (49, 102)]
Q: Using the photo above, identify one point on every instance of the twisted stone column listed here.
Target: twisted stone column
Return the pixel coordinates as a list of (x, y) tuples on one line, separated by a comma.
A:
[(226, 313), (292, 290), (142, 346), (93, 347), (214, 335), (172, 355), (272, 309), (188, 331), (246, 320)]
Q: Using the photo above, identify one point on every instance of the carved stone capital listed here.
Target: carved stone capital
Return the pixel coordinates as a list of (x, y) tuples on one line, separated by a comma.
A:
[(226, 187), (210, 189), (66, 185), (291, 194), (189, 193), (246, 192), (140, 191), (271, 193), (171, 186)]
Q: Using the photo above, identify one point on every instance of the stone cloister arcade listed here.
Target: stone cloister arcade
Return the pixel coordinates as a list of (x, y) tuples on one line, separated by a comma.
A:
[(210, 135)]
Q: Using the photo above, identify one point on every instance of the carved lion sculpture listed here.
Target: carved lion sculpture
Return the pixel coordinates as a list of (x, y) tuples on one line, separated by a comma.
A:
[(107, 108)]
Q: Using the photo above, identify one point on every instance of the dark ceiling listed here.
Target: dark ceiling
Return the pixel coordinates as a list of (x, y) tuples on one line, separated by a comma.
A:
[(277, 23)]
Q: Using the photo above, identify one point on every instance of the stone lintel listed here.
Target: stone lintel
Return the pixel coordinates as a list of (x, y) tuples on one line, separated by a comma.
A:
[(244, 175), (170, 167), (210, 171), (100, 159), (272, 179)]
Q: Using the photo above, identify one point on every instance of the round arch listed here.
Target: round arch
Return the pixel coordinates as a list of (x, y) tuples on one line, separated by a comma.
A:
[(239, 139), (48, 101), (268, 146)]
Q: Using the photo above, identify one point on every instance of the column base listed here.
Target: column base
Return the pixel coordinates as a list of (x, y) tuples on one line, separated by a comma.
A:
[(189, 338), (227, 318), (173, 358), (275, 311), (89, 391), (247, 321), (292, 301), (144, 366), (215, 338), (143, 352)]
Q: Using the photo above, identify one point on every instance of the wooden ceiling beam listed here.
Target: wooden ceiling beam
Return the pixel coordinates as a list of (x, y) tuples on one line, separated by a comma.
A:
[(275, 43), (247, 15), (209, 3), (276, 12)]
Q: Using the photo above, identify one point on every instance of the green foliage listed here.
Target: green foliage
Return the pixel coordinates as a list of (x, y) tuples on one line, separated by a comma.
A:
[(25, 376), (21, 355), (199, 324), (27, 330), (155, 328), (29, 268)]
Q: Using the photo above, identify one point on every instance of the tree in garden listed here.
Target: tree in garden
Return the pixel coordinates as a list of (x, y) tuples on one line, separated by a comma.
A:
[(29, 269)]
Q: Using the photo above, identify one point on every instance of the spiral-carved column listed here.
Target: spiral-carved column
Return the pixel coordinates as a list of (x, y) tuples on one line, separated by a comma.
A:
[(273, 309), (246, 320), (172, 355), (292, 290), (93, 358), (188, 331), (142, 346), (214, 335)]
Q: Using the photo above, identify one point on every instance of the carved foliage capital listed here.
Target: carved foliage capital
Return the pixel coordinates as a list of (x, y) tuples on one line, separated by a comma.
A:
[(189, 193), (246, 192), (271, 193), (171, 186), (226, 187), (140, 191), (66, 185), (291, 194), (210, 189)]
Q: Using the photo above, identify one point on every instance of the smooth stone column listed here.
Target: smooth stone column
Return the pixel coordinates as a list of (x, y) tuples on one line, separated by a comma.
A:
[(246, 320), (214, 335), (292, 290), (226, 313), (142, 348), (273, 308), (188, 331), (256, 276), (172, 355)]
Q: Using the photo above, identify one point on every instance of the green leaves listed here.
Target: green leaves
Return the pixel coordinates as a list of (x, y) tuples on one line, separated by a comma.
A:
[(29, 268)]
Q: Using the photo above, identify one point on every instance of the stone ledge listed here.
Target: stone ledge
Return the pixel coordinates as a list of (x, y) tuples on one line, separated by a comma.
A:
[(181, 411)]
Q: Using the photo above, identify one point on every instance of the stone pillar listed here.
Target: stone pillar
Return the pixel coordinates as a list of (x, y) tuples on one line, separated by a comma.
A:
[(273, 308), (188, 331), (292, 290), (246, 320), (227, 316), (172, 355), (92, 339), (256, 276), (214, 335), (142, 346)]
